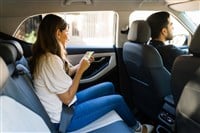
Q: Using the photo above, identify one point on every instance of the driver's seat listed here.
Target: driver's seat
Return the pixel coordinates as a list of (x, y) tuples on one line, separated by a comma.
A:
[(150, 80)]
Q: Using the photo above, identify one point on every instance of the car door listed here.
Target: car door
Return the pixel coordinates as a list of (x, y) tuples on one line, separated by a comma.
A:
[(89, 31)]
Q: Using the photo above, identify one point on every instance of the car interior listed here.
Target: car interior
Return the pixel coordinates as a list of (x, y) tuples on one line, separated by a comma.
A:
[(149, 78), (117, 33), (187, 115)]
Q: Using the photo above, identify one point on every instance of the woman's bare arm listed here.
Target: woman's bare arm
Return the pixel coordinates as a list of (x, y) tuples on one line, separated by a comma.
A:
[(67, 96), (73, 69)]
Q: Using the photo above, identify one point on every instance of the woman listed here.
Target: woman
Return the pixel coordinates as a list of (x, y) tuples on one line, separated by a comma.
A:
[(54, 86)]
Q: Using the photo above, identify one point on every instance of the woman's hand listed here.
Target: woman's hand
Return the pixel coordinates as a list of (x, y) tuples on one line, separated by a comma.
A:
[(91, 59), (83, 65)]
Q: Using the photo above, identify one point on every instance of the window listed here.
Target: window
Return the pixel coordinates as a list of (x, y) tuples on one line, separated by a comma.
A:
[(27, 31), (193, 15), (86, 28), (180, 33)]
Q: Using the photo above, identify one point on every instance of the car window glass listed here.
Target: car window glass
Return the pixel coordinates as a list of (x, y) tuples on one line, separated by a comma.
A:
[(27, 30), (96, 28), (180, 33), (193, 15)]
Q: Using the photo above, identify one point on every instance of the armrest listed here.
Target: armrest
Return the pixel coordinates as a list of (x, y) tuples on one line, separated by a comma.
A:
[(168, 112), (169, 99), (167, 115)]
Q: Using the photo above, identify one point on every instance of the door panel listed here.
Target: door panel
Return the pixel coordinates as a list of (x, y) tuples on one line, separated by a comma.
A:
[(104, 68), (103, 63)]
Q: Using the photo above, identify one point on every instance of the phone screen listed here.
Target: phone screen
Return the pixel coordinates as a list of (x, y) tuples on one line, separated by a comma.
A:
[(89, 54)]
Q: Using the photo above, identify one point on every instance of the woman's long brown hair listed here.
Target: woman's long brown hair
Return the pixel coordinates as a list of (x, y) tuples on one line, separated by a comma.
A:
[(46, 40)]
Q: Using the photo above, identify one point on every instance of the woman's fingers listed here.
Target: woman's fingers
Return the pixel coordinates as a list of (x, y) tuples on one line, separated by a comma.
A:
[(84, 64)]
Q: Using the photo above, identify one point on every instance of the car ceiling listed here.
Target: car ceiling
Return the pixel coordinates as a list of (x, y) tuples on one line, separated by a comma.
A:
[(184, 5), (17, 10), (31, 7)]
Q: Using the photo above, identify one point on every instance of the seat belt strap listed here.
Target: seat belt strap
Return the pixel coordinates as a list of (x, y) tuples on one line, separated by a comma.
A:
[(66, 115)]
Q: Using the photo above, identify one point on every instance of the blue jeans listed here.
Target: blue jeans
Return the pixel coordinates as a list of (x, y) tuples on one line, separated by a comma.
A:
[(95, 102)]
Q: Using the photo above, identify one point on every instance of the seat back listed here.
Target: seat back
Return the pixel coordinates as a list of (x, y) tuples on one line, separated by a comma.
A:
[(150, 80), (186, 89), (185, 65), (188, 107), (19, 86)]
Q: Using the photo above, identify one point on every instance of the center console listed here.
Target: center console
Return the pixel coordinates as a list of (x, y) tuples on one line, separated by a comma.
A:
[(167, 116)]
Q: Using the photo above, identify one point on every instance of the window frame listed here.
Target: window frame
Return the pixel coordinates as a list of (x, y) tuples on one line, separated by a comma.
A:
[(113, 31)]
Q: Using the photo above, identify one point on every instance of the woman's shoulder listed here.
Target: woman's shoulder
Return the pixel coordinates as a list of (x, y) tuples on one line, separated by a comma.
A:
[(53, 58), (50, 55)]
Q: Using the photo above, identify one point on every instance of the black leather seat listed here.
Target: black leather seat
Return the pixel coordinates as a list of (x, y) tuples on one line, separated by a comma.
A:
[(184, 67), (150, 80), (186, 88), (188, 108)]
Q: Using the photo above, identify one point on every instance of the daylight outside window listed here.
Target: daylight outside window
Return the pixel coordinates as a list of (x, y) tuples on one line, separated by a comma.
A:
[(91, 28), (27, 30), (86, 28), (194, 15), (180, 33)]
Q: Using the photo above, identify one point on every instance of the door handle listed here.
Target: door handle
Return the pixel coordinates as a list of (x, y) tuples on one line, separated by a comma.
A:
[(99, 60)]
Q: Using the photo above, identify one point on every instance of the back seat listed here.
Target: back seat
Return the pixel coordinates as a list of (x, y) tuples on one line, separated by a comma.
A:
[(18, 86), (17, 118)]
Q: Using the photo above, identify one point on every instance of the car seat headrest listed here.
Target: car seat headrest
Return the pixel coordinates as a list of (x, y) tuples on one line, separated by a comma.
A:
[(16, 45), (4, 74), (139, 32), (194, 47), (8, 53)]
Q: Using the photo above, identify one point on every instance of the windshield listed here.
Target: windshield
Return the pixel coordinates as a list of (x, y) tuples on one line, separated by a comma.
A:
[(193, 15)]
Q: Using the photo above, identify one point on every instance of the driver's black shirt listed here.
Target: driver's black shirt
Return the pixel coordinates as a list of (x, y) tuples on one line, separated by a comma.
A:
[(167, 52)]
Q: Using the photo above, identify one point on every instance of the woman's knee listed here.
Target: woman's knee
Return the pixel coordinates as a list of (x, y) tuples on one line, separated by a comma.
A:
[(119, 98), (116, 99), (109, 86)]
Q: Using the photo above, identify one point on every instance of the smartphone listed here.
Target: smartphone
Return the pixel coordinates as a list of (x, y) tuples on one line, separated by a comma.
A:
[(88, 54)]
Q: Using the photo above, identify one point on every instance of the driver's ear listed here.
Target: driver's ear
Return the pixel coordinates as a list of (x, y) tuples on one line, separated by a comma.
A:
[(164, 31)]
